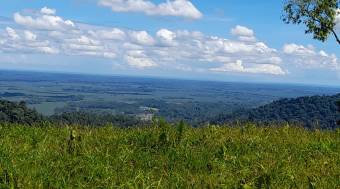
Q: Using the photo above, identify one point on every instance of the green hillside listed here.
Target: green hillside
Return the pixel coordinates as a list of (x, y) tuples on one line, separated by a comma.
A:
[(309, 111), (164, 156)]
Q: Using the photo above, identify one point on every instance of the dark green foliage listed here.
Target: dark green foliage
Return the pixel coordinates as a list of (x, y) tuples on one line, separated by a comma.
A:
[(317, 15), (263, 182), (13, 112), (180, 130), (18, 112), (93, 119), (311, 112), (191, 111)]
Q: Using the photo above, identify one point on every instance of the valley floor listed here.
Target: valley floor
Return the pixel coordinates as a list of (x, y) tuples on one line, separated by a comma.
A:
[(163, 156)]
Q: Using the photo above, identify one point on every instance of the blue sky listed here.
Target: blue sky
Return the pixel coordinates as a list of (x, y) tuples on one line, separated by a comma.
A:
[(229, 40)]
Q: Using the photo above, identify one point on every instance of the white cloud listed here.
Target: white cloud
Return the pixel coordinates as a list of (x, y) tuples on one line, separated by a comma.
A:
[(243, 33), (238, 66), (323, 53), (297, 49), (84, 45), (29, 36), (166, 37), (337, 19), (84, 40), (141, 38), (230, 67), (138, 59), (48, 50), (167, 49), (180, 8), (112, 34), (274, 60), (26, 42), (48, 11), (266, 69), (247, 39), (309, 58), (12, 33), (237, 47), (44, 22)]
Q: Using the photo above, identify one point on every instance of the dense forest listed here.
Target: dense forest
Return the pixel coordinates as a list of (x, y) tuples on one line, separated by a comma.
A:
[(18, 112), (191, 112), (92, 119), (311, 112)]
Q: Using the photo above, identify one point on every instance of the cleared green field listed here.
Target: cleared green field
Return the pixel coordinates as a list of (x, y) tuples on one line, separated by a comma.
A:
[(163, 156)]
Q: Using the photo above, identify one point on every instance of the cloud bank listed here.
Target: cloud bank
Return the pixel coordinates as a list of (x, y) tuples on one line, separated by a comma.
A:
[(183, 50)]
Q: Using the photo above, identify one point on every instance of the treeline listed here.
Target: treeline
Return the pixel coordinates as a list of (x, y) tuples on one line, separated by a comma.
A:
[(18, 112), (93, 119), (311, 112), (192, 112)]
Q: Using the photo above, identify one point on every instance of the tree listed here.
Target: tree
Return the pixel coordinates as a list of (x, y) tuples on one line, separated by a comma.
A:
[(319, 16)]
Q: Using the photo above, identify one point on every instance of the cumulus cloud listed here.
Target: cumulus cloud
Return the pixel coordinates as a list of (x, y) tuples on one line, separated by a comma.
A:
[(46, 10), (309, 57), (238, 66), (138, 59), (12, 34), (85, 45), (45, 21), (243, 33), (180, 8), (165, 49), (167, 37), (141, 37), (297, 49), (112, 34), (25, 42), (29, 36)]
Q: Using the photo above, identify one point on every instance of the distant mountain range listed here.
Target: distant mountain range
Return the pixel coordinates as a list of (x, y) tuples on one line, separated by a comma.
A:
[(309, 111)]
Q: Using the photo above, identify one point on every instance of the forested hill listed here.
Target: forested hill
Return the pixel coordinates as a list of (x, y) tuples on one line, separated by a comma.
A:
[(313, 111), (18, 112)]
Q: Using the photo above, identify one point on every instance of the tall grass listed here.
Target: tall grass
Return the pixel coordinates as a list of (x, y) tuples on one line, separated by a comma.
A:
[(164, 156)]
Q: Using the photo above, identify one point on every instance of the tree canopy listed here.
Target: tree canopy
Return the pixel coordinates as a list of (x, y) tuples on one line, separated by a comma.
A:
[(308, 111), (319, 16), (18, 112)]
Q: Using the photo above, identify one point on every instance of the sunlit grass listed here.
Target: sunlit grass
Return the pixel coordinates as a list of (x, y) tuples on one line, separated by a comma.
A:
[(164, 156)]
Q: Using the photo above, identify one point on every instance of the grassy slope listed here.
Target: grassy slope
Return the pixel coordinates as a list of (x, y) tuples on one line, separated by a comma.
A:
[(165, 157)]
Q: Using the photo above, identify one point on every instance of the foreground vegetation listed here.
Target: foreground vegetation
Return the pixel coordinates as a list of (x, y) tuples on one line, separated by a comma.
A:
[(168, 156)]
